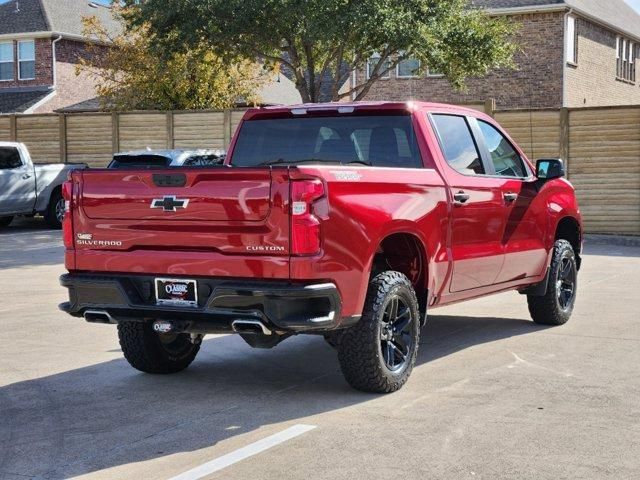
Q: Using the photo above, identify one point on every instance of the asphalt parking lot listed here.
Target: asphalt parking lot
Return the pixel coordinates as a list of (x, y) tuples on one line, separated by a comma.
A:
[(492, 396)]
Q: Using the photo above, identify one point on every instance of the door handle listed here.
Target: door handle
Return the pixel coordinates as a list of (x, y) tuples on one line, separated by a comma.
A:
[(510, 197), (460, 197), (26, 176)]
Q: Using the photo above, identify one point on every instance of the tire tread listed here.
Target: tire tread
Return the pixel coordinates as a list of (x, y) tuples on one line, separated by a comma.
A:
[(358, 350), (544, 309)]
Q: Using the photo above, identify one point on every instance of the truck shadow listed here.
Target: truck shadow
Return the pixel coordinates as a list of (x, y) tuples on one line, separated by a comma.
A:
[(107, 415)]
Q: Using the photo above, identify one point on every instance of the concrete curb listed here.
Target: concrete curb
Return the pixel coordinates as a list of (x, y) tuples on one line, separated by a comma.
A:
[(619, 240)]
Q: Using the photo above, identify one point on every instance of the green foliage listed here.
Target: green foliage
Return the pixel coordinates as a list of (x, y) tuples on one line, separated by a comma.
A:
[(130, 75), (316, 38)]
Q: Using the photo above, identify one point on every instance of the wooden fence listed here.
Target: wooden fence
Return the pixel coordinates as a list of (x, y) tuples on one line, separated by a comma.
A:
[(600, 145), (602, 149)]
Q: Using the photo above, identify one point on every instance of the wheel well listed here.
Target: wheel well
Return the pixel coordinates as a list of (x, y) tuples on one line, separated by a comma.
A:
[(404, 253), (569, 229)]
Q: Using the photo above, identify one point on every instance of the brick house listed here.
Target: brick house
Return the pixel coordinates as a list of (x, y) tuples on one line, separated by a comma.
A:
[(40, 44), (575, 53)]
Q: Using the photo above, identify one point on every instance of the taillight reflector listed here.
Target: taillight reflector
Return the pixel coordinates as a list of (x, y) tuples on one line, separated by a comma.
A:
[(305, 227), (67, 222)]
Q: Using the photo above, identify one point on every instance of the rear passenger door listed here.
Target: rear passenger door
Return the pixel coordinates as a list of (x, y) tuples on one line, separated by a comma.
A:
[(523, 235), (477, 217)]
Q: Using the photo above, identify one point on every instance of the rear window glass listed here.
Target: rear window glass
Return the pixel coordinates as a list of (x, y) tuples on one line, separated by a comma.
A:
[(203, 161), (139, 161), (458, 145), (9, 158), (383, 141)]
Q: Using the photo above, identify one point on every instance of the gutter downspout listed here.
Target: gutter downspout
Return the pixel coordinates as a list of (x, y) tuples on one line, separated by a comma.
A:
[(55, 61), (564, 58), (353, 85)]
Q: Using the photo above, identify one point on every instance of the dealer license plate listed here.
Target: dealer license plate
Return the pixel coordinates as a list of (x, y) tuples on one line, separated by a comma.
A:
[(176, 292)]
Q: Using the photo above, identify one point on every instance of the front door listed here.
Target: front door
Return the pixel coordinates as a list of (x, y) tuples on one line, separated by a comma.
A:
[(17, 184), (523, 235), (477, 217)]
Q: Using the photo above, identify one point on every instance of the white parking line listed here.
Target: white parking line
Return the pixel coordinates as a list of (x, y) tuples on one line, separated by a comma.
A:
[(243, 453)]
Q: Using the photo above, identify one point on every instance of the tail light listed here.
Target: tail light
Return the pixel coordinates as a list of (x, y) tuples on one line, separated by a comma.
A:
[(67, 222), (305, 227)]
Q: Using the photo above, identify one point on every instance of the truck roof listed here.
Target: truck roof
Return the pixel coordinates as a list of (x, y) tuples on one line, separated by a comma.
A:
[(348, 107)]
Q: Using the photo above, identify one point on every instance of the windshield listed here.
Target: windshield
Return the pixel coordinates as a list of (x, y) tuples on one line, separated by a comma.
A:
[(385, 141)]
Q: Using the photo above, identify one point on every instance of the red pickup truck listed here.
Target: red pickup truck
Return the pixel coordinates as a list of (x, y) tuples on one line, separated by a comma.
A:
[(344, 220)]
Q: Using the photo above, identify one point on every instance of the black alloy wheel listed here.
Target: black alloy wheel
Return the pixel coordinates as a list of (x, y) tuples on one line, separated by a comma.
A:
[(396, 340), (566, 282)]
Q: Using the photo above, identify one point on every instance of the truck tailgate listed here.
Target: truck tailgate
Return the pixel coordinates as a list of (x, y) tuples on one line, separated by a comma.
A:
[(221, 195), (193, 220)]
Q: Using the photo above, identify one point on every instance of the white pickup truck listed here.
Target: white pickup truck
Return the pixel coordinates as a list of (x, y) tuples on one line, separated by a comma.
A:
[(28, 189)]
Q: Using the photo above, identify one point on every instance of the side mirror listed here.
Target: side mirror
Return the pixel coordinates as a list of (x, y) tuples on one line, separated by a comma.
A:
[(549, 168)]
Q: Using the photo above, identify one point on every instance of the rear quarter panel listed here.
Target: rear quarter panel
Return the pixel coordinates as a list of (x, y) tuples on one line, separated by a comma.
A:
[(364, 205)]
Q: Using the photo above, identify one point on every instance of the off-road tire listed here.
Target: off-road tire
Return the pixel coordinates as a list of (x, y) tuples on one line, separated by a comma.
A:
[(145, 351), (546, 309), (333, 338), (360, 350), (5, 221), (50, 217)]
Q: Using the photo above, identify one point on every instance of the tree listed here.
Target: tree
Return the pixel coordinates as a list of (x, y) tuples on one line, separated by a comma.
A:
[(316, 40), (131, 76)]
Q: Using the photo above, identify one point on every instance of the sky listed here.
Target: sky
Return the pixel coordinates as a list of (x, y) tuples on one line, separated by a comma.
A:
[(635, 4)]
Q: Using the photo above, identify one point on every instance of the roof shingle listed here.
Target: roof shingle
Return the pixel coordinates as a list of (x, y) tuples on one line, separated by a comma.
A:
[(60, 16), (18, 102), (616, 13)]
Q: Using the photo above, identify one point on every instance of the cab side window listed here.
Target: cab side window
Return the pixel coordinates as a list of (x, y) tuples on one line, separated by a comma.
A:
[(9, 158), (457, 143), (505, 158)]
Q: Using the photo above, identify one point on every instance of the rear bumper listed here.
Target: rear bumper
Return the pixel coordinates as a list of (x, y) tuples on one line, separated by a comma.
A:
[(282, 306)]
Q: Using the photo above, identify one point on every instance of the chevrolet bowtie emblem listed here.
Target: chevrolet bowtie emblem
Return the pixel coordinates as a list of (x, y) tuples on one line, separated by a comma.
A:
[(169, 203)]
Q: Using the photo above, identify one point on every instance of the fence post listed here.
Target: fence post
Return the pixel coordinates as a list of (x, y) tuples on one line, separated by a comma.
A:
[(115, 132), (62, 123), (226, 128), (13, 128), (490, 106), (564, 137), (170, 140)]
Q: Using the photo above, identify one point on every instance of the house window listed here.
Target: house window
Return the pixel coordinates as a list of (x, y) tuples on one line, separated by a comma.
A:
[(432, 72), (373, 62), (626, 59), (6, 61), (572, 41), (26, 60), (408, 68)]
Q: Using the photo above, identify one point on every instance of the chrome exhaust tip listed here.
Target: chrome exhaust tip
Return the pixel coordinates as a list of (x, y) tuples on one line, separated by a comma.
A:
[(250, 326), (98, 316)]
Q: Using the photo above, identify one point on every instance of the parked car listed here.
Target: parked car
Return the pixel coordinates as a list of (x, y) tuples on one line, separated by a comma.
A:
[(168, 158), (344, 220), (27, 188)]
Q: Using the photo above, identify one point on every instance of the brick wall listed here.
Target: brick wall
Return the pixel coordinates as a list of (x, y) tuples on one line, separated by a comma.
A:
[(44, 66), (71, 89), (536, 82), (592, 82)]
